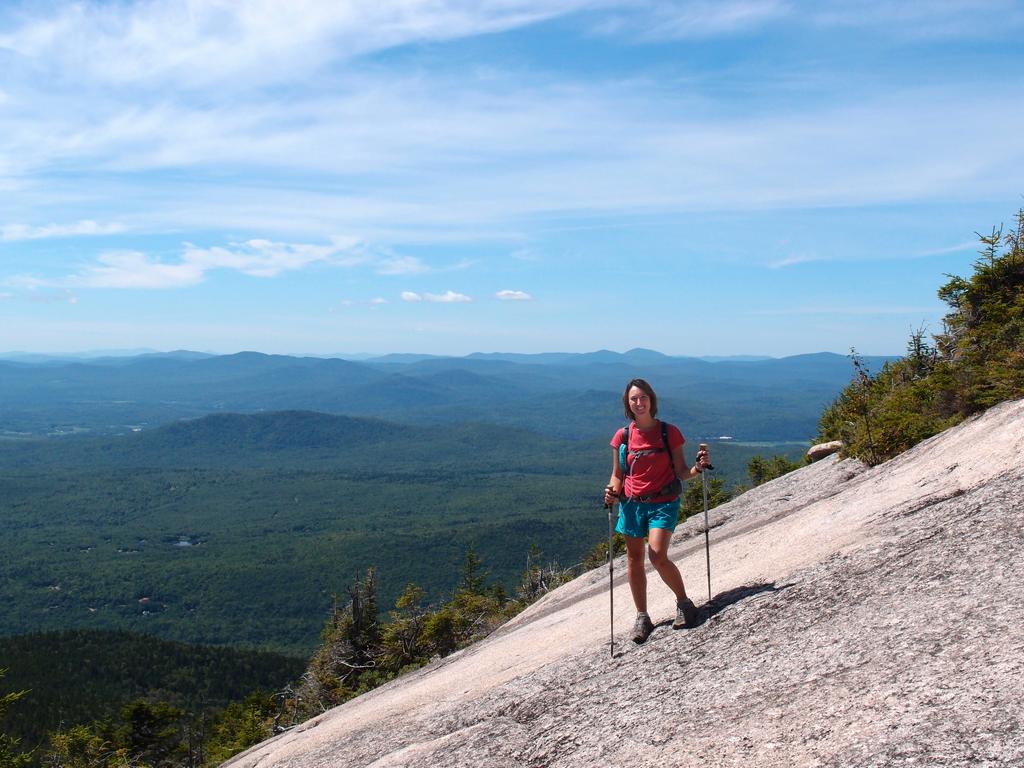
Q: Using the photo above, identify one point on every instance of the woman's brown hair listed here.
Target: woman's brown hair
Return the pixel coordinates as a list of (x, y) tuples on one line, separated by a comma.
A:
[(648, 389)]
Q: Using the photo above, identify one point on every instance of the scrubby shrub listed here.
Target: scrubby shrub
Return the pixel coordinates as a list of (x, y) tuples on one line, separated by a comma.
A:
[(975, 362)]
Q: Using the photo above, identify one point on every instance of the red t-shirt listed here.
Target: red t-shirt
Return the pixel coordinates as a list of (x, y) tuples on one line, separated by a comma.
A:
[(650, 472)]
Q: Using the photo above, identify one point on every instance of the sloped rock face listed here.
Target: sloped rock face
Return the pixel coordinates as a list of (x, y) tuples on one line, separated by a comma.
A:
[(861, 618)]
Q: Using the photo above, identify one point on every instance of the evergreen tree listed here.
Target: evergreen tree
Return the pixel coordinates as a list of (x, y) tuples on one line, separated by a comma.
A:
[(473, 612), (692, 501), (151, 734), (975, 362), (402, 640), (538, 579), (473, 576), (760, 470), (341, 666), (10, 756), (84, 746), (239, 726), (599, 554)]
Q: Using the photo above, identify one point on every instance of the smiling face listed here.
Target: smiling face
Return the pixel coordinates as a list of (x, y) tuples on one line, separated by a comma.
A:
[(639, 400)]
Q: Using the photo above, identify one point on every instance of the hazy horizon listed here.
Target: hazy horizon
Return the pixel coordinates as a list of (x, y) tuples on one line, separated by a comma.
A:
[(94, 353)]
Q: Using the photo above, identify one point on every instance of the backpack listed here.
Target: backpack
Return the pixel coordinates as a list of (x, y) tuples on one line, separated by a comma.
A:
[(674, 488)]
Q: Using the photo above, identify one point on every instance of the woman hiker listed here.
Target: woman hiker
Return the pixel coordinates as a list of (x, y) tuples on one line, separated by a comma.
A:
[(646, 481)]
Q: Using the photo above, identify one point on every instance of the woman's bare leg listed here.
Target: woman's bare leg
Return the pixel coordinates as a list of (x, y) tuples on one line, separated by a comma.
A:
[(658, 540), (637, 572)]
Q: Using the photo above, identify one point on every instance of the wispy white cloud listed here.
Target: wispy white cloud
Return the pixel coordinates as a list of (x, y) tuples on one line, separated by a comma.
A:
[(37, 292), (911, 19), (62, 297), (513, 296), (839, 311), (256, 258), (916, 19), (264, 258), (402, 265), (711, 18), (373, 303), (198, 43), (459, 266), (448, 297), (487, 162), (969, 245), (526, 254), (15, 232), (441, 154), (133, 269), (795, 259)]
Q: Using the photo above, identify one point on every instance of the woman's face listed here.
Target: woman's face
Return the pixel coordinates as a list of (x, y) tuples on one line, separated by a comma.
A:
[(639, 402)]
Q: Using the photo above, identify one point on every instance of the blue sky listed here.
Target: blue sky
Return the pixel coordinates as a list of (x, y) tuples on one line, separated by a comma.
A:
[(702, 178)]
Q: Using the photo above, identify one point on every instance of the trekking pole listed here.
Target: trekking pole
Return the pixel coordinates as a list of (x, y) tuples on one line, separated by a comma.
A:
[(611, 583), (707, 537)]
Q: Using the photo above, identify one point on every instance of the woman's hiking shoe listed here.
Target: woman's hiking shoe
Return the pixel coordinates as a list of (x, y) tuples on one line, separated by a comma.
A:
[(642, 628), (686, 614)]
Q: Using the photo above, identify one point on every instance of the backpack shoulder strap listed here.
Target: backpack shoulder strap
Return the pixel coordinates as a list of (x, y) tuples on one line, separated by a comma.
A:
[(668, 448), (624, 451)]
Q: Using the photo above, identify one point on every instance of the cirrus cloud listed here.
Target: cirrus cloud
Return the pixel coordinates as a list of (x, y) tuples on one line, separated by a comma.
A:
[(448, 297), (265, 258), (204, 43), (134, 269), (513, 296), (15, 232), (256, 258), (402, 265)]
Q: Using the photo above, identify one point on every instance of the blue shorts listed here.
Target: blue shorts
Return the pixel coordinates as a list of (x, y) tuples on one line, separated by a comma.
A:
[(636, 518)]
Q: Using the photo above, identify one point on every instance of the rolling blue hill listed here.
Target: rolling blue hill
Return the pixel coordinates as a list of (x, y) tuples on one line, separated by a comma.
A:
[(567, 395)]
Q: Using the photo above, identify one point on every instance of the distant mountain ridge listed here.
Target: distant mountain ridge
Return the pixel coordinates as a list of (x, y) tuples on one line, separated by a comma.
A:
[(391, 357), (774, 399)]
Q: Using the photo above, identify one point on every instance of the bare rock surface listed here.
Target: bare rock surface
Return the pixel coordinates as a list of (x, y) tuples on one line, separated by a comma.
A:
[(860, 617)]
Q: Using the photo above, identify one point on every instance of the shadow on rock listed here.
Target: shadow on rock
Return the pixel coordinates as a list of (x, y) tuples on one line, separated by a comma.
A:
[(723, 600)]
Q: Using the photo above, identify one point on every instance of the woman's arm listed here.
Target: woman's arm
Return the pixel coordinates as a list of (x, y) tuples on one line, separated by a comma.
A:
[(688, 473), (613, 490)]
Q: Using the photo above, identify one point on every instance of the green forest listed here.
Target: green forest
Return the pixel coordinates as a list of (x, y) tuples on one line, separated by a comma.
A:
[(238, 530), (81, 676)]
